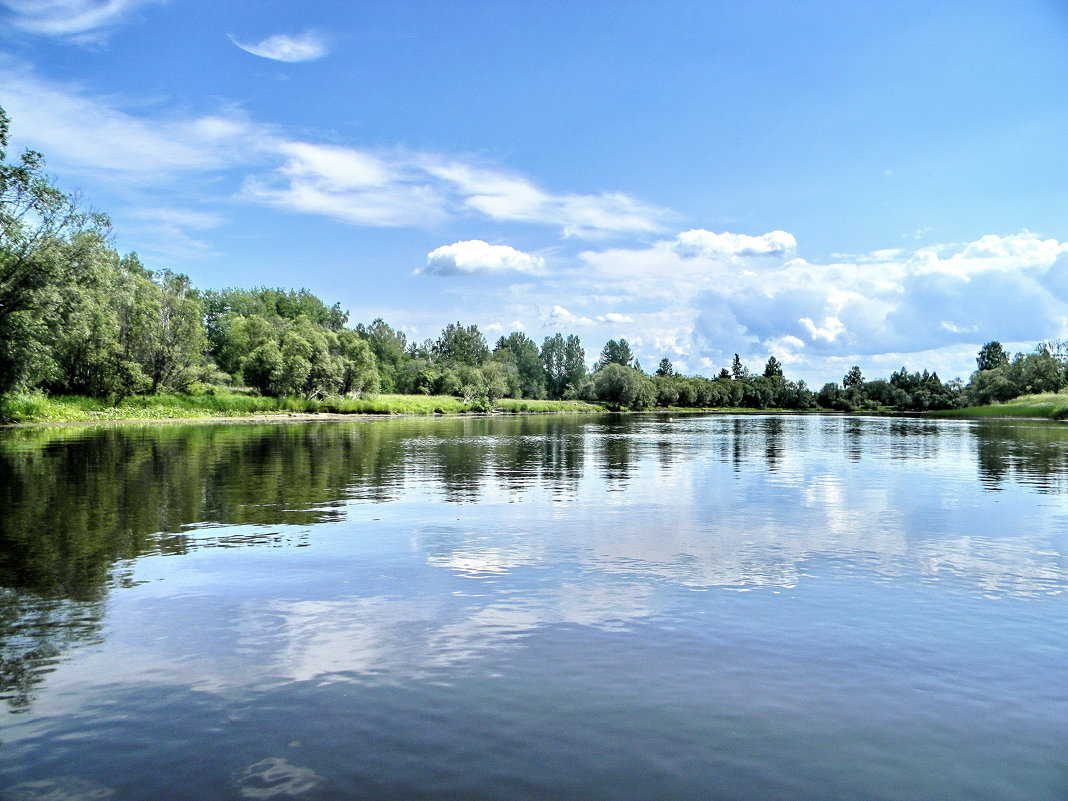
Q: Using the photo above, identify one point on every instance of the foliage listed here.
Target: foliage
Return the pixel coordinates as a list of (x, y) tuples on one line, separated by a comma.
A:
[(616, 352), (522, 352), (773, 369), (460, 344), (623, 387), (564, 362), (991, 356)]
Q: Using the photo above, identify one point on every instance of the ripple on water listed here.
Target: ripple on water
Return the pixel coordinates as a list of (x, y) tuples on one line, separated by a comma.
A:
[(273, 777), (59, 788)]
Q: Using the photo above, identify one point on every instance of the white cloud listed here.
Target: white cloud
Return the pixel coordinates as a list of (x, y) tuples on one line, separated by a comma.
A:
[(559, 317), (88, 136), (97, 137), (829, 330), (943, 300), (165, 233), (614, 317), (78, 19), (699, 242), (281, 47), (503, 196), (475, 256), (349, 185)]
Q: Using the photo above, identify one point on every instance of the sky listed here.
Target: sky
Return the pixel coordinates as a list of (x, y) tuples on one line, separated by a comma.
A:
[(832, 183)]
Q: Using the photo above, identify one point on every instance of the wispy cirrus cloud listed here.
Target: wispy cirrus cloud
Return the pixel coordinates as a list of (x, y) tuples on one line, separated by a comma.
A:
[(403, 188), (504, 196), (307, 46), (76, 19), (87, 136), (358, 186)]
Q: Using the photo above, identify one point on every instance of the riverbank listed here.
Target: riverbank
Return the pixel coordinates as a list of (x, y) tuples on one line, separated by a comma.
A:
[(1046, 406), (36, 409)]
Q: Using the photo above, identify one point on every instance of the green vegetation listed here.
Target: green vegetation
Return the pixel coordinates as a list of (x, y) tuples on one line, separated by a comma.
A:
[(87, 333), (38, 407), (1049, 405)]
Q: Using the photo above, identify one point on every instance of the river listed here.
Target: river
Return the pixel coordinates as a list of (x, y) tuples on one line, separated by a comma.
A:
[(546, 607)]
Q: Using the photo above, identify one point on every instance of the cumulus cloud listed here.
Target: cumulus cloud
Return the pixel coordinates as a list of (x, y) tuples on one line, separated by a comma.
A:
[(77, 19), (282, 47), (699, 242), (475, 256), (559, 317), (941, 300), (614, 317)]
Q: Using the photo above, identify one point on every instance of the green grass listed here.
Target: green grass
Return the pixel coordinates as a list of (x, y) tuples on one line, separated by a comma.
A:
[(41, 408), (1050, 406), (529, 405)]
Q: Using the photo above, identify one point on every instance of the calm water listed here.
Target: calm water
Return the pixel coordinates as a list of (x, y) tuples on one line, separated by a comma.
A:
[(692, 607)]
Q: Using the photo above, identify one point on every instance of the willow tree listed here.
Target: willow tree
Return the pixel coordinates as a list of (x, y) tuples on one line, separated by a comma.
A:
[(48, 242)]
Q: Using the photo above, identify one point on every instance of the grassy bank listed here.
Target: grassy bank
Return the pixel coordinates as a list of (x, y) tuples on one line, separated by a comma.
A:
[(1048, 406), (40, 408)]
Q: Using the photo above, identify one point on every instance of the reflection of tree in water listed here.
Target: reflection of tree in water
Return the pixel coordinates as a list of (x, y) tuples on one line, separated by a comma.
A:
[(853, 430), (77, 502), (34, 634), (772, 440), (615, 443), (1029, 453), (914, 439)]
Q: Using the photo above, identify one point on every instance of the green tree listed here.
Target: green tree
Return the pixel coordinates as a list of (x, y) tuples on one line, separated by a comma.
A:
[(620, 386), (390, 349), (616, 352), (522, 351), (991, 356), (854, 378), (665, 368), (773, 369), (564, 361), (738, 370), (47, 243), (460, 344), (175, 338)]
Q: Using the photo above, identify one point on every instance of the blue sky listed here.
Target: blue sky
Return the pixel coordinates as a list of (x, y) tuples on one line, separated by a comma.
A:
[(881, 184)]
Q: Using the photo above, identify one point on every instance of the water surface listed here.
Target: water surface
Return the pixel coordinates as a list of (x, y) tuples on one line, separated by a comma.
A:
[(642, 607)]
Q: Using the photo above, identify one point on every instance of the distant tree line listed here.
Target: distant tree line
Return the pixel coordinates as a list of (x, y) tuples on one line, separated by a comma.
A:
[(76, 317)]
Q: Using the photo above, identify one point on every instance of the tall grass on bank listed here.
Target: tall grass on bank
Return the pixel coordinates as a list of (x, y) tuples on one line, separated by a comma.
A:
[(1049, 405), (41, 408)]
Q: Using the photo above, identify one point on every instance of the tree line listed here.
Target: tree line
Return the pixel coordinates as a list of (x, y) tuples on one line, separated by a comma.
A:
[(77, 317)]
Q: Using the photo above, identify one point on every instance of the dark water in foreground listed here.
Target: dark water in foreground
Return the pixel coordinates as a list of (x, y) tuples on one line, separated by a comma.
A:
[(698, 607)]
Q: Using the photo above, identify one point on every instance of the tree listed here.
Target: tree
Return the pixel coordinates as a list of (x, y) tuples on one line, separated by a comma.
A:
[(176, 342), (773, 369), (389, 347), (991, 356), (854, 378), (359, 363), (461, 345), (738, 370), (522, 351), (564, 361), (665, 368), (47, 243), (620, 386), (616, 352)]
